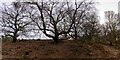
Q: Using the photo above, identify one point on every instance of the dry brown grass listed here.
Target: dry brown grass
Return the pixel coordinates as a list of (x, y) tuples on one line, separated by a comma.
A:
[(68, 49)]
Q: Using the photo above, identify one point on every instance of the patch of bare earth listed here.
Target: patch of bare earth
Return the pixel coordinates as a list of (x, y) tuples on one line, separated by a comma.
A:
[(68, 49)]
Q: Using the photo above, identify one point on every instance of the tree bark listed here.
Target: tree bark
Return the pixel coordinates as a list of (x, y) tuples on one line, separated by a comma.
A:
[(56, 39), (75, 33), (14, 39)]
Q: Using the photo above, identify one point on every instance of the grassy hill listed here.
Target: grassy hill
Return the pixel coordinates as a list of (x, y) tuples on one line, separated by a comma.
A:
[(65, 49)]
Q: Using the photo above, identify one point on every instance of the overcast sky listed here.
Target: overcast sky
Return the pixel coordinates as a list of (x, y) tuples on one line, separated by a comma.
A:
[(102, 6), (105, 5)]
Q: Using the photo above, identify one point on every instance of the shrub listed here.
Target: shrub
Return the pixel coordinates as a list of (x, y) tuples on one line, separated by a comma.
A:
[(4, 39)]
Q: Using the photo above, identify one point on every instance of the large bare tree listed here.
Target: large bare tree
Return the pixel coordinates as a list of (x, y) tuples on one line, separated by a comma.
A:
[(14, 20), (51, 17), (59, 18), (80, 11)]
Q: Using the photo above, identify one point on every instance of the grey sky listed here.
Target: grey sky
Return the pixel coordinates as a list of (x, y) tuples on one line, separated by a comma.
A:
[(102, 6), (105, 5)]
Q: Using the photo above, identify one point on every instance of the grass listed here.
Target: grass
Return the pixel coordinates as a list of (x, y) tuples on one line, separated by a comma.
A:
[(42, 49)]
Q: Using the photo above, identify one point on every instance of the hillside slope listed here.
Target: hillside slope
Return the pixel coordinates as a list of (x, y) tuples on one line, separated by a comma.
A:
[(68, 49)]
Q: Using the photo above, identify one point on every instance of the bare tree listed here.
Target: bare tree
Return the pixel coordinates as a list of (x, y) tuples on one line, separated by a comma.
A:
[(58, 18), (80, 10), (14, 20), (50, 18), (91, 27), (111, 26)]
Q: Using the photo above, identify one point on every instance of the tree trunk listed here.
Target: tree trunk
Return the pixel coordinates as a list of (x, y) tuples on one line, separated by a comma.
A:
[(75, 32), (56, 40), (14, 39)]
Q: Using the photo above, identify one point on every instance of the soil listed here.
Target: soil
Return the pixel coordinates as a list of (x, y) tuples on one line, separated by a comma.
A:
[(65, 49)]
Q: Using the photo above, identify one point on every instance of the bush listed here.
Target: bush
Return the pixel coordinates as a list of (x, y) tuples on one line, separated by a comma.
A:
[(4, 39)]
